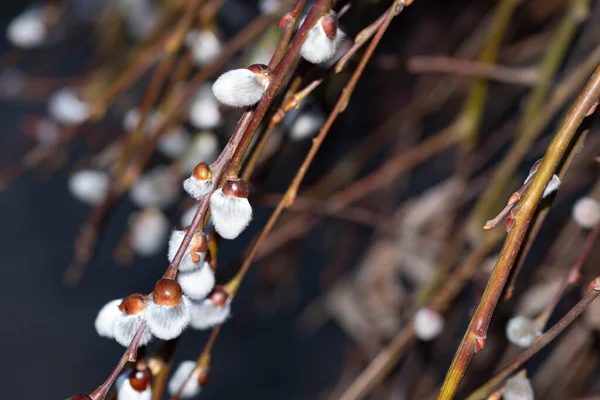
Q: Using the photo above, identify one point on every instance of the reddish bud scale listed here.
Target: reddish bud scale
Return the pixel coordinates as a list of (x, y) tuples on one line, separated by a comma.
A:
[(133, 304), (236, 188), (285, 20), (262, 72), (140, 379), (329, 25), (203, 377), (594, 285), (167, 292), (219, 296), (259, 69), (202, 172), (199, 245)]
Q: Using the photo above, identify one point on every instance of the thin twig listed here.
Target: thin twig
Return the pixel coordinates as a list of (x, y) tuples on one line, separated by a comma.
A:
[(478, 69)]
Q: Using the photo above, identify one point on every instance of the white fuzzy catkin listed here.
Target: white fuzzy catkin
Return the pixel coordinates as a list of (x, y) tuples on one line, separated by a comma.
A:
[(187, 264), (196, 284), (522, 331), (318, 48), (306, 125), (518, 388), (175, 142), (197, 188), (206, 47), (126, 326), (239, 88), (192, 387), (428, 324), (204, 147), (28, 29), (127, 392), (89, 186), (106, 318), (204, 109), (149, 232), (550, 187), (586, 212), (205, 314), (158, 187), (230, 215), (166, 322), (67, 108)]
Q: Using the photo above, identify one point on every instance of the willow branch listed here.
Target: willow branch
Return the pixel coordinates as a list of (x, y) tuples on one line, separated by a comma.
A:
[(476, 334)]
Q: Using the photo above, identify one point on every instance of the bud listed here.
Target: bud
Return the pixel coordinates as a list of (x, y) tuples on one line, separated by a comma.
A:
[(230, 208), (586, 212), (127, 323), (323, 40), (204, 148), (205, 47), (89, 186), (105, 320), (552, 186), (518, 388), (211, 311), (168, 314), (522, 331), (194, 254), (28, 29), (67, 108), (428, 324), (200, 183), (181, 377), (198, 283), (306, 125), (149, 232), (242, 87), (204, 109), (137, 387), (158, 187)]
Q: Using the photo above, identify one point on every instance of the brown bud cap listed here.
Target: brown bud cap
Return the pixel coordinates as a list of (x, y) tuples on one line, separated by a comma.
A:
[(203, 377), (199, 242), (218, 296), (202, 172), (139, 379), (329, 25), (80, 396), (236, 188), (133, 304), (259, 69), (167, 292)]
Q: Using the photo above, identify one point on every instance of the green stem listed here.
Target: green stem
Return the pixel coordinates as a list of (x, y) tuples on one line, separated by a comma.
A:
[(476, 334)]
